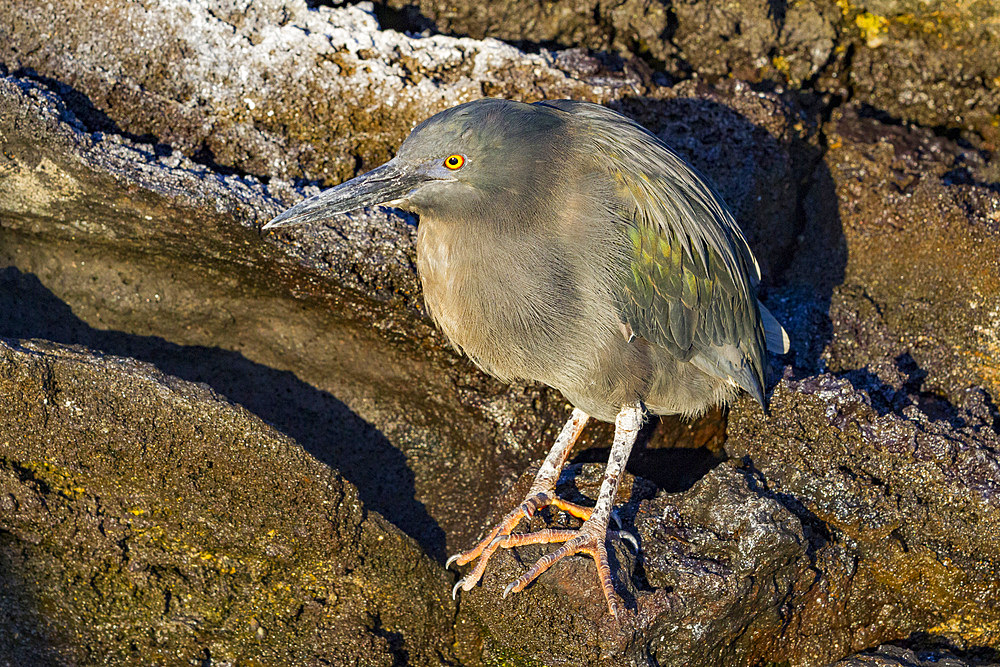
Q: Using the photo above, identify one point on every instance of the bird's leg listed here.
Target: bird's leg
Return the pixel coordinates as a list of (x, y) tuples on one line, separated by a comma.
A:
[(591, 537), (541, 493)]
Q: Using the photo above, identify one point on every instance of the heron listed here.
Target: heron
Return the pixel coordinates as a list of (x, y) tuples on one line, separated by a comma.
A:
[(563, 243)]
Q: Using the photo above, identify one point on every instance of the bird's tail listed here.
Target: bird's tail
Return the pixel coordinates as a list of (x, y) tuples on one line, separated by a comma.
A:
[(775, 336)]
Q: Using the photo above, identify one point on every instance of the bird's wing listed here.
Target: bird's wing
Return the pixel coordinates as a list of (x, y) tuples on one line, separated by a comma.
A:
[(690, 283)]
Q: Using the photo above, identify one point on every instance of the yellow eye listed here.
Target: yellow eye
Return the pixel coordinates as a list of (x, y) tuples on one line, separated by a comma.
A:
[(454, 161)]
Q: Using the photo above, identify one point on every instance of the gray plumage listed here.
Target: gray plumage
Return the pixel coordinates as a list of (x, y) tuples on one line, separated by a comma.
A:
[(574, 248)]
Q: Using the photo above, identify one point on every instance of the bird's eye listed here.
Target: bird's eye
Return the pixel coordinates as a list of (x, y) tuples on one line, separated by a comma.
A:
[(454, 161)]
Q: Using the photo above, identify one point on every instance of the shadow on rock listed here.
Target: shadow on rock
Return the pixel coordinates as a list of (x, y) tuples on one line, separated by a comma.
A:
[(670, 452), (322, 424), (908, 391)]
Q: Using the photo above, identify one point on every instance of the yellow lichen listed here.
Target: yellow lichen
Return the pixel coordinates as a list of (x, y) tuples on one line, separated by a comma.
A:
[(781, 64), (59, 479), (873, 28), (969, 627)]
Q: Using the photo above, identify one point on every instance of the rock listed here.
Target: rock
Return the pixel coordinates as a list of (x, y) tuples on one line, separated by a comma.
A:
[(896, 656), (678, 36), (905, 499), (275, 88), (860, 511), (147, 520), (687, 593), (929, 62), (835, 526), (914, 222), (170, 260)]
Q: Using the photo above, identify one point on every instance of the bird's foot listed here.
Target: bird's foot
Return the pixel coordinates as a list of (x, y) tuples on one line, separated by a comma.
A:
[(589, 539), (484, 550)]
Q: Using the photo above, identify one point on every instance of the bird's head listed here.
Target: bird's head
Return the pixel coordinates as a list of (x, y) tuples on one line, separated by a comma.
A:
[(474, 160)]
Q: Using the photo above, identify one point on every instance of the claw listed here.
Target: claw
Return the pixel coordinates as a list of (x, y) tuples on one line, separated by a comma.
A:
[(528, 507), (447, 563), (589, 540), (454, 590), (630, 538), (616, 518)]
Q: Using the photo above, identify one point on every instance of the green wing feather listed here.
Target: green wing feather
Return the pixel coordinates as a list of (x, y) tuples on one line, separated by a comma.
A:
[(690, 286)]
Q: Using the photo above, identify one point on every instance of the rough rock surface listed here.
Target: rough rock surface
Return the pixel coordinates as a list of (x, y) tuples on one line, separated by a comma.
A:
[(147, 520), (930, 62), (915, 224), (896, 656), (165, 253), (861, 510), (837, 524), (273, 88)]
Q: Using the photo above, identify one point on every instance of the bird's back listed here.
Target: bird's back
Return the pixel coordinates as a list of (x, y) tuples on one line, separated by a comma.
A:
[(687, 283)]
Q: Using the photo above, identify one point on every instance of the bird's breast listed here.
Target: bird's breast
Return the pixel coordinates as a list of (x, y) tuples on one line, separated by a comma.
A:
[(498, 299), (520, 310), (439, 269)]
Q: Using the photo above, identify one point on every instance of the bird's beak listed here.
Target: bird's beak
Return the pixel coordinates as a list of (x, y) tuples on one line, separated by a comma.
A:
[(379, 186)]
